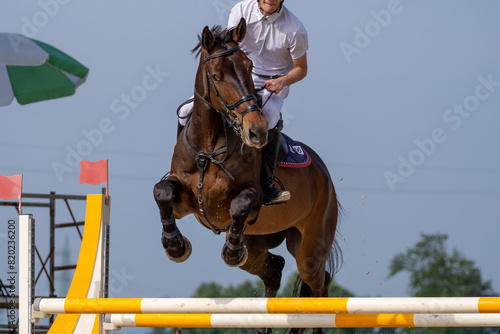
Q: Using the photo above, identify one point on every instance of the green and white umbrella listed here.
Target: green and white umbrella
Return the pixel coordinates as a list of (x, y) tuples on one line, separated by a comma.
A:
[(33, 71)]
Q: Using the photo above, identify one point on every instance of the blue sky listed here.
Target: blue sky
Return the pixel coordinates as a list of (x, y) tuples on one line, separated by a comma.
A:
[(401, 101)]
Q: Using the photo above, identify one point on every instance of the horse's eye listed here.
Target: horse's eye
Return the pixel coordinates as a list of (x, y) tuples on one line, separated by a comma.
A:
[(216, 77)]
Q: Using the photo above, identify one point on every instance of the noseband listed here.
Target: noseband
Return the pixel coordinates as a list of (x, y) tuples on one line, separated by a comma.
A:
[(236, 124)]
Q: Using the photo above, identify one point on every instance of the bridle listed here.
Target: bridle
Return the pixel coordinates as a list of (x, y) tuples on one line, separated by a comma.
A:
[(202, 158), (228, 108)]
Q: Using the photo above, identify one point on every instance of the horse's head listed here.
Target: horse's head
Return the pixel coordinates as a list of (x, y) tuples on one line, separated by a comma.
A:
[(228, 82)]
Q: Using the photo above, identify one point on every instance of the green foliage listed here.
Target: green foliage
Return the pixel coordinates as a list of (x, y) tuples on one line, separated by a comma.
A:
[(334, 290), (245, 289), (161, 331), (434, 272)]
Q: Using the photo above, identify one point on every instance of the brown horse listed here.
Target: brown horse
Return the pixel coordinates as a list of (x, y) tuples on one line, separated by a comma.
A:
[(215, 175)]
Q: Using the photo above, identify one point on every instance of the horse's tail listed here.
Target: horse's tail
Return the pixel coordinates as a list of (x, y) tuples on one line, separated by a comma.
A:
[(333, 263), (336, 258)]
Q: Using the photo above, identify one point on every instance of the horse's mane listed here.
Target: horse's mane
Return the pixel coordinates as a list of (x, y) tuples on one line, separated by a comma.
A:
[(222, 37)]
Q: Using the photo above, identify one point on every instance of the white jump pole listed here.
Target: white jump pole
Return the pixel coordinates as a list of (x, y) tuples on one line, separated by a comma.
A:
[(341, 320), (352, 305), (26, 273)]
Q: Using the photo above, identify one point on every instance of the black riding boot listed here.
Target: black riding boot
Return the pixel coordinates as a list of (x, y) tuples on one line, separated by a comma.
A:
[(272, 195)]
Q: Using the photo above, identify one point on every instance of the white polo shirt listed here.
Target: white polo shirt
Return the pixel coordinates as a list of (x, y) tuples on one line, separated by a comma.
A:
[(271, 42)]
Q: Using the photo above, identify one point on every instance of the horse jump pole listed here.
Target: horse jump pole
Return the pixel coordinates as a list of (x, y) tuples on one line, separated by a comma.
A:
[(343, 320), (269, 305)]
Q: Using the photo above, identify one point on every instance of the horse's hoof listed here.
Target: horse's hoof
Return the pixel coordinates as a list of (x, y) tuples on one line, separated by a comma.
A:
[(235, 261), (188, 249)]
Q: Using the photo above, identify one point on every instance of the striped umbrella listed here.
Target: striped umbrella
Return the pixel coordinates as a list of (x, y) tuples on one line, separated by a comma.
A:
[(34, 71)]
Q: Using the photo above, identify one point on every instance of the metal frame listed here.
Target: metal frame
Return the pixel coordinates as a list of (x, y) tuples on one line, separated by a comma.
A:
[(26, 272), (48, 266)]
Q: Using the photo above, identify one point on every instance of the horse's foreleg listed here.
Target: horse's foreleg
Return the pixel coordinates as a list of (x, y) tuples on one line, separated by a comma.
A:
[(177, 247), (243, 209)]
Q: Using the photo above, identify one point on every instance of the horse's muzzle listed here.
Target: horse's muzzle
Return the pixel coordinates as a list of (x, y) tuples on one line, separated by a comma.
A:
[(255, 136)]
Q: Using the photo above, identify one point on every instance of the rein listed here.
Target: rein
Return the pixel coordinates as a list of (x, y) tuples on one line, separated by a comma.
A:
[(233, 135)]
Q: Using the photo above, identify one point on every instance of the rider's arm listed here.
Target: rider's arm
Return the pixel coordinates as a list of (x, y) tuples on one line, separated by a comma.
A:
[(298, 73)]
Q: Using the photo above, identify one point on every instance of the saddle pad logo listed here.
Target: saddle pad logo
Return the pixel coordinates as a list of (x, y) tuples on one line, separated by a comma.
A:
[(297, 150)]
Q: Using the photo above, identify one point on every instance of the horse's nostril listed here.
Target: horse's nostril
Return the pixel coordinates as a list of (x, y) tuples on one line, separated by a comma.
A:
[(256, 136), (253, 136)]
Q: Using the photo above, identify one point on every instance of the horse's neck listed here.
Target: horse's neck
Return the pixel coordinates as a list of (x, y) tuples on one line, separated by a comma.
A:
[(206, 130)]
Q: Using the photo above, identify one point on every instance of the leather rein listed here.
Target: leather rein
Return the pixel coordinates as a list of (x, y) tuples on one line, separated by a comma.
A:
[(232, 137)]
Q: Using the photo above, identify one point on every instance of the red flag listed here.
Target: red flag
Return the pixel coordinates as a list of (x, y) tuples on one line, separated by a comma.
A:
[(11, 187), (94, 172)]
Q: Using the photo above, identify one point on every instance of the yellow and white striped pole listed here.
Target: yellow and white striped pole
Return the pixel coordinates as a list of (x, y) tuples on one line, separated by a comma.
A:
[(341, 320), (353, 305)]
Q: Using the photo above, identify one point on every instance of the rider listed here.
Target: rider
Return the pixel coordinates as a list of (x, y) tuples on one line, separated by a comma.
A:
[(276, 41)]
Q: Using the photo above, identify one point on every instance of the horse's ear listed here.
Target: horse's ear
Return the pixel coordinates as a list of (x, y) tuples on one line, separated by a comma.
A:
[(240, 31), (207, 39)]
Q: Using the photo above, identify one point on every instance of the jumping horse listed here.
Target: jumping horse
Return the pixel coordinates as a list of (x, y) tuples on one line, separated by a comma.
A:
[(215, 175)]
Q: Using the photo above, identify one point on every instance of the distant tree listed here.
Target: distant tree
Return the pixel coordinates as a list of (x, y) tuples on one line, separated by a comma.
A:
[(334, 290), (435, 272), (161, 331)]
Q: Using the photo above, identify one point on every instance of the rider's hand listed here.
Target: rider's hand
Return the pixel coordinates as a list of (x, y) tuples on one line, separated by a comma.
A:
[(274, 85)]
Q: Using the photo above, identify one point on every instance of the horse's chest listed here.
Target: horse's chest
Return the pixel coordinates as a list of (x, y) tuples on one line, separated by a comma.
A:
[(215, 197), (215, 190)]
